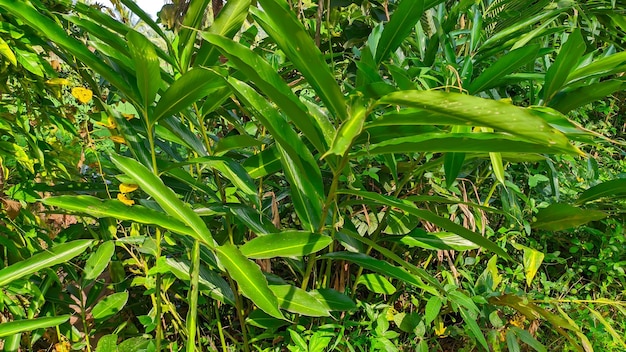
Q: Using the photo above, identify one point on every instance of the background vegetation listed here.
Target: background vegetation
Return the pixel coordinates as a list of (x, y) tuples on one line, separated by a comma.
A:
[(415, 175)]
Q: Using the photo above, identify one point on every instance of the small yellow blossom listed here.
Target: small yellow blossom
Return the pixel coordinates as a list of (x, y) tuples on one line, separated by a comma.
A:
[(83, 95), (127, 187), (122, 198)]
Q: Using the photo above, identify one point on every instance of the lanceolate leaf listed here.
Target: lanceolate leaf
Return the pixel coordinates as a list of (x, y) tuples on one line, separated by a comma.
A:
[(194, 17), (400, 25), (349, 130), (557, 217), (109, 305), (250, 279), (569, 99), (163, 195), (303, 174), (117, 210), (99, 260), (227, 23), (50, 257), (146, 66), (282, 25), (267, 79), (7, 52), (19, 326), (504, 66), (532, 261), (194, 85), (285, 244), (484, 113), (608, 189), (431, 217), (297, 300), (565, 62)]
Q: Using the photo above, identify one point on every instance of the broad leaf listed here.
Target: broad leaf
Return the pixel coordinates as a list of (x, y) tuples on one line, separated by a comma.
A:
[(505, 65), (557, 217), (194, 85), (532, 261), (605, 190), (98, 260), (285, 244), (249, 278), (147, 67), (377, 284), (400, 25), (333, 300), (571, 51), (484, 113), (297, 300), (109, 305)]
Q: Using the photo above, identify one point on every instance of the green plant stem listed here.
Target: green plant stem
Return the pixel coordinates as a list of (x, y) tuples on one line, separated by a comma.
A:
[(240, 315), (192, 314), (219, 326)]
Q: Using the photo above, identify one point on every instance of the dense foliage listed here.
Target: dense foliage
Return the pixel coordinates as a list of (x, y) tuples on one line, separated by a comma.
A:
[(353, 175)]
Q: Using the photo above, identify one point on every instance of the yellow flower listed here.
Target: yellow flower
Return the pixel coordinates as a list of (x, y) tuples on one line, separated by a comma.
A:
[(127, 187), (58, 82), (83, 95), (118, 139), (122, 198)]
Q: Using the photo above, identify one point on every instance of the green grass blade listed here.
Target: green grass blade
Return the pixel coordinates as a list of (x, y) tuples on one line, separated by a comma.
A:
[(250, 279), (58, 254)]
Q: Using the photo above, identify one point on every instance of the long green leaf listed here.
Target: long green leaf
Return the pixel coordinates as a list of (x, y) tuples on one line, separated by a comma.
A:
[(283, 26), (297, 300), (194, 18), (267, 79), (565, 62), (285, 244), (505, 65), (58, 254), (301, 170), (250, 279), (400, 25), (27, 325), (431, 217), (115, 209), (6, 51), (109, 305), (569, 99), (608, 189), (98, 260), (146, 66), (163, 195), (557, 217), (599, 67), (227, 24), (349, 130), (192, 86), (56, 34), (482, 142), (484, 113)]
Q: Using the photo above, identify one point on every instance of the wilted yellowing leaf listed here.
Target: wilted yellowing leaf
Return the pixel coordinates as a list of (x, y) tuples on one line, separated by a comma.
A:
[(83, 95), (122, 198), (118, 139), (58, 82), (127, 187)]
